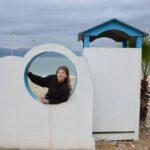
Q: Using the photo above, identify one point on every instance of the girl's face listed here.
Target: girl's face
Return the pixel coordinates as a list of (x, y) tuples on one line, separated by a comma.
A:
[(61, 75)]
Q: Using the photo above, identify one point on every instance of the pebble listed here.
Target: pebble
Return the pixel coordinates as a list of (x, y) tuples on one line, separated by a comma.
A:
[(133, 145)]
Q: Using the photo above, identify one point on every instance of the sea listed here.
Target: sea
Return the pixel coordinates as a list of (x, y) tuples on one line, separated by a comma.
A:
[(44, 66)]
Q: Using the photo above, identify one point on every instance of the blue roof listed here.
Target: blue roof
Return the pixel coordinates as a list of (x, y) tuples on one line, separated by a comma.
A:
[(115, 29)]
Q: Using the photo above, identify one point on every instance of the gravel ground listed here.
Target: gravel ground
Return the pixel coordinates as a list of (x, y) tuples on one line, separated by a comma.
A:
[(142, 144)]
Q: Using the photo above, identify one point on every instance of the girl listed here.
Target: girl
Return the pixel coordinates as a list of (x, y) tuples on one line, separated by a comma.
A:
[(58, 85)]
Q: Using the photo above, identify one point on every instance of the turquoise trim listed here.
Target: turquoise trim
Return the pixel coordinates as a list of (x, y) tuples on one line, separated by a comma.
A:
[(112, 22), (26, 79), (124, 44), (86, 42), (139, 42), (28, 87), (112, 26)]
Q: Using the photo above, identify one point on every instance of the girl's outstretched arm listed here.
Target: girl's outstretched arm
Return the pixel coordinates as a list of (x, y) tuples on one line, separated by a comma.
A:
[(41, 81)]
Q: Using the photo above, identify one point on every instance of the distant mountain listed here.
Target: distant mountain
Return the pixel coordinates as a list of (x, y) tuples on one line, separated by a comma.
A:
[(4, 52), (22, 51), (16, 52)]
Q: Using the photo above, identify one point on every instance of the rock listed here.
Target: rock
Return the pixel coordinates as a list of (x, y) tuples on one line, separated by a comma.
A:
[(133, 145)]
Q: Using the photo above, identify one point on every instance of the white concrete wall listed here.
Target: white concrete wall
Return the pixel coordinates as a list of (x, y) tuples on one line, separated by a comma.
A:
[(26, 123), (116, 75)]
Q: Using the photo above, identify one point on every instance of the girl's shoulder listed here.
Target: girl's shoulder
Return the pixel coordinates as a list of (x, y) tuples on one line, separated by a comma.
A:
[(52, 77)]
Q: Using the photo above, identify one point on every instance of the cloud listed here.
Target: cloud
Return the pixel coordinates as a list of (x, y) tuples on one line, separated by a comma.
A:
[(60, 21)]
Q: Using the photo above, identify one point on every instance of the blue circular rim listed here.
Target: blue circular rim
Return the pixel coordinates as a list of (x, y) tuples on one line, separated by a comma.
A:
[(26, 79)]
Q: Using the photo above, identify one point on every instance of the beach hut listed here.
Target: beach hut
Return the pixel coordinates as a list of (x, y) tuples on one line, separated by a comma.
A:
[(116, 76)]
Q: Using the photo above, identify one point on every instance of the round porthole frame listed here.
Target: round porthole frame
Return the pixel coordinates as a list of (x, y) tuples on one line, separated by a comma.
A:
[(39, 50)]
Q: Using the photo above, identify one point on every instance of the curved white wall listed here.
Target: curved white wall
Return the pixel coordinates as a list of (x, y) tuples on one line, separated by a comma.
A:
[(26, 123)]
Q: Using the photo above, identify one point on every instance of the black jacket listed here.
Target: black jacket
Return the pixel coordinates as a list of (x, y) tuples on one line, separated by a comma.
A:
[(57, 92)]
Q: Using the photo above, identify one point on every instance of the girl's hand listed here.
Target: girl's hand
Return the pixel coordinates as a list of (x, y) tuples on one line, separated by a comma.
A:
[(43, 100)]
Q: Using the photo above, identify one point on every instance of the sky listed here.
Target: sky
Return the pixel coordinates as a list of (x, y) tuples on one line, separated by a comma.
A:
[(27, 23)]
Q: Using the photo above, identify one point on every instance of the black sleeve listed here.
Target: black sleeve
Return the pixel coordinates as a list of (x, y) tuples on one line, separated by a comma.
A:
[(65, 96), (61, 98), (41, 81)]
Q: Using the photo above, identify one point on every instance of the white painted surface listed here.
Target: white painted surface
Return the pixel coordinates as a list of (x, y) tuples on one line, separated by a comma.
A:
[(26, 123), (116, 75)]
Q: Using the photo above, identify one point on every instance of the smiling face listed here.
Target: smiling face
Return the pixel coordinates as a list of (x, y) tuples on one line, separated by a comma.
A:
[(61, 75)]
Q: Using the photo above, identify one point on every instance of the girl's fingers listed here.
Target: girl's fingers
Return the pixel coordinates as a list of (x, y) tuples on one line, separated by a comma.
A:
[(43, 100)]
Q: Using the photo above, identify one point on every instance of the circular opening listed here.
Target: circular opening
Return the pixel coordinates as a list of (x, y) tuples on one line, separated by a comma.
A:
[(47, 80)]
